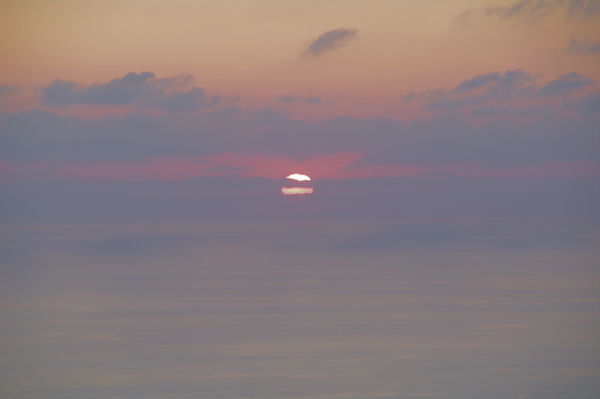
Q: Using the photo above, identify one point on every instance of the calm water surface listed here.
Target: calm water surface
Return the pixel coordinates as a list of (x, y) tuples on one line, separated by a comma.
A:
[(300, 310)]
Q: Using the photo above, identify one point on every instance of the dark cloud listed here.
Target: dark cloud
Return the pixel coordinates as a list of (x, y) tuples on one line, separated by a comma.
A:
[(583, 47), (565, 84), (330, 40), (290, 99), (144, 90), (37, 136)]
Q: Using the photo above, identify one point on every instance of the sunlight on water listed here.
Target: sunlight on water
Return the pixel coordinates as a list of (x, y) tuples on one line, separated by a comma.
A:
[(297, 190)]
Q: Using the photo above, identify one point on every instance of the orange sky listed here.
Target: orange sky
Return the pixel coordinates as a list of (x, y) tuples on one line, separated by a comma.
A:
[(251, 50)]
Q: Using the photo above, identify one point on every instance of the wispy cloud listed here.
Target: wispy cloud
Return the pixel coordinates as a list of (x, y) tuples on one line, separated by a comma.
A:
[(583, 47), (565, 84), (329, 41), (532, 11), (144, 90), (498, 90), (476, 90), (500, 83)]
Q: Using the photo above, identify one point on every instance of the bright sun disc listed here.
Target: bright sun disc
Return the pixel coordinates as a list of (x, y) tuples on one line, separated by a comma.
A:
[(298, 177)]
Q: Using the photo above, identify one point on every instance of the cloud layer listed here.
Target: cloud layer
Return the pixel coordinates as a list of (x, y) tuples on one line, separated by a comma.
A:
[(498, 129), (531, 131), (143, 90), (565, 84), (512, 92)]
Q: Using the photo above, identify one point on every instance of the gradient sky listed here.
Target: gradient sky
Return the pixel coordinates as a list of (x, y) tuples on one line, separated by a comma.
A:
[(137, 135), (253, 52), (250, 83)]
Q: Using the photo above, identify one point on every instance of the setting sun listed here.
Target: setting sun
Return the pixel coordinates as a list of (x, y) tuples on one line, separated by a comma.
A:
[(298, 177)]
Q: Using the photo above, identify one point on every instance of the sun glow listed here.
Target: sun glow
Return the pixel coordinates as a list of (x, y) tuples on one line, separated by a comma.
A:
[(297, 190), (298, 177)]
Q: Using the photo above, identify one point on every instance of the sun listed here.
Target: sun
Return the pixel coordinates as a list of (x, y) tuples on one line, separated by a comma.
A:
[(301, 188), (298, 177)]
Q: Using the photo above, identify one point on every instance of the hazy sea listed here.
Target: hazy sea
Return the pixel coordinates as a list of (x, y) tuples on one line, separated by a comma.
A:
[(308, 309)]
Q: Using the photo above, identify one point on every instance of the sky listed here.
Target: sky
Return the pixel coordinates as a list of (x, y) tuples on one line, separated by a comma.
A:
[(152, 132), (190, 89)]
